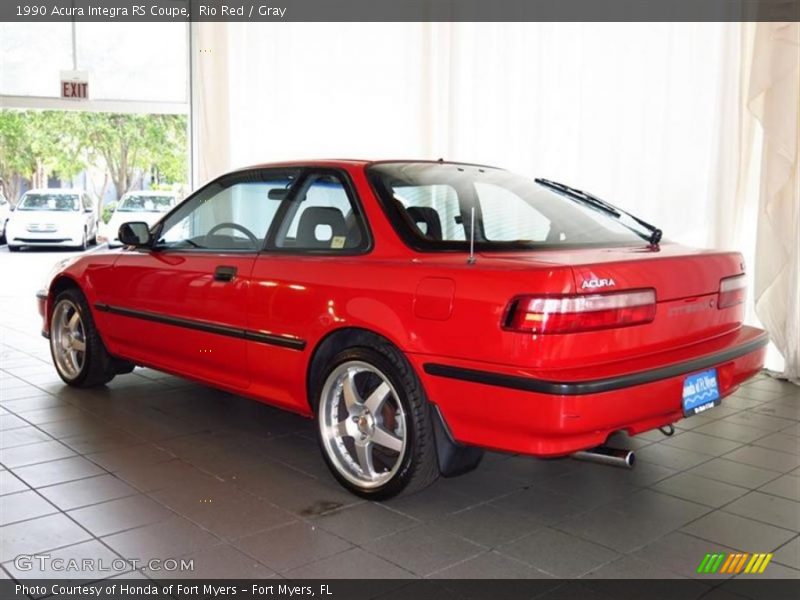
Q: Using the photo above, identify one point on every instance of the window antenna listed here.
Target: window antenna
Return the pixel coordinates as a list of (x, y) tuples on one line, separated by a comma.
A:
[(471, 260)]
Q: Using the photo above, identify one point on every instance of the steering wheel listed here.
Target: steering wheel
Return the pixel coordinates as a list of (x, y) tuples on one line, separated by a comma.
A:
[(249, 234)]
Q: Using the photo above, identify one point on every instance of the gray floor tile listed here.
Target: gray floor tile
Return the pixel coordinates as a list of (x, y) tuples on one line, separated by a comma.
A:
[(671, 456), (291, 546), (22, 506), (559, 554), (787, 486), (58, 471), (490, 525), (789, 554), (40, 535), (482, 484), (544, 505), (698, 442), (9, 422), (223, 509), (120, 514), (700, 489), (34, 453), (54, 413), (780, 442), (732, 431), (432, 503), (154, 477), (424, 549), (738, 532), (22, 436), (84, 492), (9, 484), (764, 458), (295, 492), (491, 565), (735, 473), (758, 420), (350, 564), (166, 539), (364, 522), (769, 509), (141, 455)]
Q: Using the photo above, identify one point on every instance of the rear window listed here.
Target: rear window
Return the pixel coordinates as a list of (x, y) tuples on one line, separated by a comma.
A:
[(55, 202), (432, 205), (146, 203)]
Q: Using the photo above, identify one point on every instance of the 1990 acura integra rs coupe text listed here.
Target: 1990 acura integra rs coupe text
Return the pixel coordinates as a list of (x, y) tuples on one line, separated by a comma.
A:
[(348, 290)]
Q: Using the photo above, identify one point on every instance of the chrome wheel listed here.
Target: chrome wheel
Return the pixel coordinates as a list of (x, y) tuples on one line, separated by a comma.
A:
[(68, 339), (362, 424)]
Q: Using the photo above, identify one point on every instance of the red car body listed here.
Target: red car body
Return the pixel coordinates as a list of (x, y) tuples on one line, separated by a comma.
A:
[(497, 388)]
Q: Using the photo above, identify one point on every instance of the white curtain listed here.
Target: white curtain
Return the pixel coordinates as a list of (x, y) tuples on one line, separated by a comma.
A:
[(646, 115)]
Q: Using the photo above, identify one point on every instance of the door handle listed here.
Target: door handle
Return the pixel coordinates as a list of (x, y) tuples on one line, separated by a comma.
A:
[(224, 273)]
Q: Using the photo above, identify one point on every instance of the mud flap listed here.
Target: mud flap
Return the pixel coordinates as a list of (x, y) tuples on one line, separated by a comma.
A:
[(454, 458)]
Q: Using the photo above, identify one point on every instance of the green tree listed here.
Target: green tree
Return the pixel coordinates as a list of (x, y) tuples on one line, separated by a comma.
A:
[(37, 144), (131, 145)]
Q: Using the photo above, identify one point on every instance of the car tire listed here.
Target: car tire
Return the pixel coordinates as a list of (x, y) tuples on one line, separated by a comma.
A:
[(374, 425), (84, 242), (78, 353)]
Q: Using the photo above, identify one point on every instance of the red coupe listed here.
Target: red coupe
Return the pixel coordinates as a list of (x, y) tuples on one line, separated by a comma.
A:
[(420, 311)]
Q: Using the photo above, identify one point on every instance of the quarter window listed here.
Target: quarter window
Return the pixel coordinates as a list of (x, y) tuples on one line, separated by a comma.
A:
[(322, 217), (229, 214)]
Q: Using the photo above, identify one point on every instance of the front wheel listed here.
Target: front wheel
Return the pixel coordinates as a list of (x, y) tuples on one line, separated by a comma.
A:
[(374, 424), (78, 353)]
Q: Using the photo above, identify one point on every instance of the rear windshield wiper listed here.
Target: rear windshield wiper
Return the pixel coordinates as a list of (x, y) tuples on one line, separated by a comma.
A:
[(653, 234)]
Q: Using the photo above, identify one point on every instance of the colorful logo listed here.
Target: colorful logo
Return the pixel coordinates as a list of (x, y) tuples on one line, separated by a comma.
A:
[(736, 562)]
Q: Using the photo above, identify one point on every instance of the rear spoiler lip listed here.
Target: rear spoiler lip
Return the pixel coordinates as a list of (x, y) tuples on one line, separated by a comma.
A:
[(595, 386)]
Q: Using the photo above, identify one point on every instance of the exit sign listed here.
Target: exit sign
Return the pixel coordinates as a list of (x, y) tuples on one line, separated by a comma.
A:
[(75, 85)]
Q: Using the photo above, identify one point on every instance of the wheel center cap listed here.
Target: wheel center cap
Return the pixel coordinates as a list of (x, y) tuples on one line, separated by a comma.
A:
[(365, 423)]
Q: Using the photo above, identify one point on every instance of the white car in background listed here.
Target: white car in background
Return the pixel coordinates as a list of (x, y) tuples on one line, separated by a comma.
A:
[(53, 217), (147, 206), (5, 212)]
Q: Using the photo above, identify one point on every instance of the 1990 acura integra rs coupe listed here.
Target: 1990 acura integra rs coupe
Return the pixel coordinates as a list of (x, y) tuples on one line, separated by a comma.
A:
[(349, 290)]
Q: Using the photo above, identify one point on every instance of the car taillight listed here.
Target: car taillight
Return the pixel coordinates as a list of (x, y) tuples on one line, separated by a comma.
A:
[(732, 291), (571, 314)]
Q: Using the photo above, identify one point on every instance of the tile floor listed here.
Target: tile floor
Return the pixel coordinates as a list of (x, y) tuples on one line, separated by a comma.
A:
[(154, 466)]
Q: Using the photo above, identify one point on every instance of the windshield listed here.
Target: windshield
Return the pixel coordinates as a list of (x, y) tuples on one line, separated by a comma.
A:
[(146, 203), (56, 202), (431, 206)]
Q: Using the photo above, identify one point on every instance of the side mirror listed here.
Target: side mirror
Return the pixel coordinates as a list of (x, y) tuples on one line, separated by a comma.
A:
[(88, 210), (136, 233)]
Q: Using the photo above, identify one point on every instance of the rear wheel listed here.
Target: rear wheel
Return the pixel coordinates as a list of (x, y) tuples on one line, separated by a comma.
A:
[(374, 424), (78, 353)]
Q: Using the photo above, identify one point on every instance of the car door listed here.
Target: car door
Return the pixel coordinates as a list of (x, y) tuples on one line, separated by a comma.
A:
[(181, 305), (297, 283)]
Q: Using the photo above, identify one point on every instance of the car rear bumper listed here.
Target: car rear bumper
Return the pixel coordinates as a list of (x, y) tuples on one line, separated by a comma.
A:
[(516, 410)]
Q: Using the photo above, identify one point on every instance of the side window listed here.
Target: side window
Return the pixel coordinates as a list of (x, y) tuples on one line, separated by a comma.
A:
[(434, 210), (507, 217), (233, 214), (323, 216), (87, 202)]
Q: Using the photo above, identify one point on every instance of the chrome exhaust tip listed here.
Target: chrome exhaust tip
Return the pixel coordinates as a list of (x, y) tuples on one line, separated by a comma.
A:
[(608, 456)]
